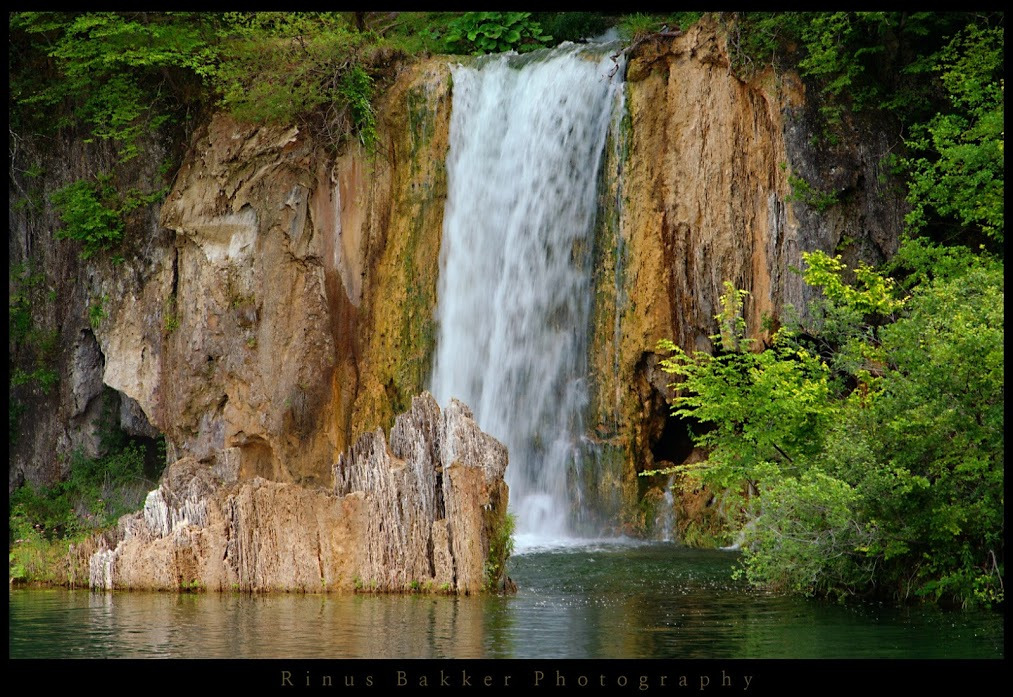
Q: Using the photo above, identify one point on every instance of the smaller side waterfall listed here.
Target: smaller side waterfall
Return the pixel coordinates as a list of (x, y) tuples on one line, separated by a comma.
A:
[(665, 523)]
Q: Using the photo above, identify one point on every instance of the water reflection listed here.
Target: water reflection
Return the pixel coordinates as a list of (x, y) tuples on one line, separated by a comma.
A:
[(612, 601)]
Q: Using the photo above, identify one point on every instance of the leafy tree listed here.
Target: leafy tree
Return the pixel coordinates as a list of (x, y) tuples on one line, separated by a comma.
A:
[(883, 472), (957, 163), (120, 74), (767, 409)]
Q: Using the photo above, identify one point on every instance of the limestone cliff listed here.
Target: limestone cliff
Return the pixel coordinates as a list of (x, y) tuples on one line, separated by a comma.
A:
[(66, 303), (697, 190), (293, 309), (421, 512)]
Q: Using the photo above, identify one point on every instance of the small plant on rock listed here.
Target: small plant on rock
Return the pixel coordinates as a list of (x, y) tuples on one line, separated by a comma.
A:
[(495, 32)]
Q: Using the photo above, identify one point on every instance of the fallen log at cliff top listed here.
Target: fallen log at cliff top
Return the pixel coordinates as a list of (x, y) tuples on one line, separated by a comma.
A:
[(423, 511)]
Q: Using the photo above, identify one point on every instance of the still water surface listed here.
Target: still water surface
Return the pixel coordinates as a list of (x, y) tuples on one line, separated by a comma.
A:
[(607, 600)]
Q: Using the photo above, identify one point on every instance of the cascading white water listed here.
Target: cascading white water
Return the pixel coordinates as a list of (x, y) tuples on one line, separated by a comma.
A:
[(526, 141)]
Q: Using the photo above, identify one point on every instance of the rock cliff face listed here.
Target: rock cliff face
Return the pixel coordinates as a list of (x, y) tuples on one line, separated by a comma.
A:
[(294, 308), (421, 512), (68, 301), (697, 190)]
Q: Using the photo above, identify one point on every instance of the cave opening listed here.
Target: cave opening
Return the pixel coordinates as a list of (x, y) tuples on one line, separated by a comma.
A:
[(122, 424), (154, 456), (675, 443)]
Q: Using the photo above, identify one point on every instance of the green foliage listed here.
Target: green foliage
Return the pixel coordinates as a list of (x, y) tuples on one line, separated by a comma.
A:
[(939, 408), (807, 539), (44, 377), (838, 45), (572, 26), (97, 312), (194, 585), (806, 193), (90, 212), (118, 72), (767, 409), (281, 65), (356, 89), (853, 60), (417, 33), (881, 468), (298, 67), (33, 350), (33, 558), (957, 163), (636, 26), (495, 32), (94, 212), (96, 492), (24, 282), (122, 76), (170, 316), (920, 260), (877, 296)]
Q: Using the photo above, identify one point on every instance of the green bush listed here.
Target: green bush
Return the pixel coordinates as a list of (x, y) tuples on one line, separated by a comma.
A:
[(958, 157), (636, 26), (573, 26), (495, 32), (90, 212), (879, 469), (807, 538), (94, 212), (96, 492), (804, 192), (356, 91), (120, 74)]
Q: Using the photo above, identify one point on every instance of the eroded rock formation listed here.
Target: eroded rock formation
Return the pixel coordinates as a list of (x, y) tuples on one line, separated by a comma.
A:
[(420, 512)]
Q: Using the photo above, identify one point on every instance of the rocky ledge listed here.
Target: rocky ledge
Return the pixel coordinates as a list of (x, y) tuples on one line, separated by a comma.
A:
[(424, 511)]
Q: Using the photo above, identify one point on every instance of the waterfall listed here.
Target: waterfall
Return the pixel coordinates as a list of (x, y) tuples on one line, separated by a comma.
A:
[(665, 522), (526, 141)]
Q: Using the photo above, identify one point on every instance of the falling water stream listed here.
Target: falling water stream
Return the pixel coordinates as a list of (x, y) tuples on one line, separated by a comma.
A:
[(526, 141)]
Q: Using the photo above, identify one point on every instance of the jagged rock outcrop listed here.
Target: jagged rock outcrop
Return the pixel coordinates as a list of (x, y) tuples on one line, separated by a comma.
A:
[(420, 512)]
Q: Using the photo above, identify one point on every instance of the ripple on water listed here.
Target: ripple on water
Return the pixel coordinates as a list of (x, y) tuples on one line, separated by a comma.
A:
[(634, 600)]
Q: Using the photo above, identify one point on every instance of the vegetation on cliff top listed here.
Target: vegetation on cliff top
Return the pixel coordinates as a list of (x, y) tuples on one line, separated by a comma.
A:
[(119, 75), (874, 432), (123, 77)]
